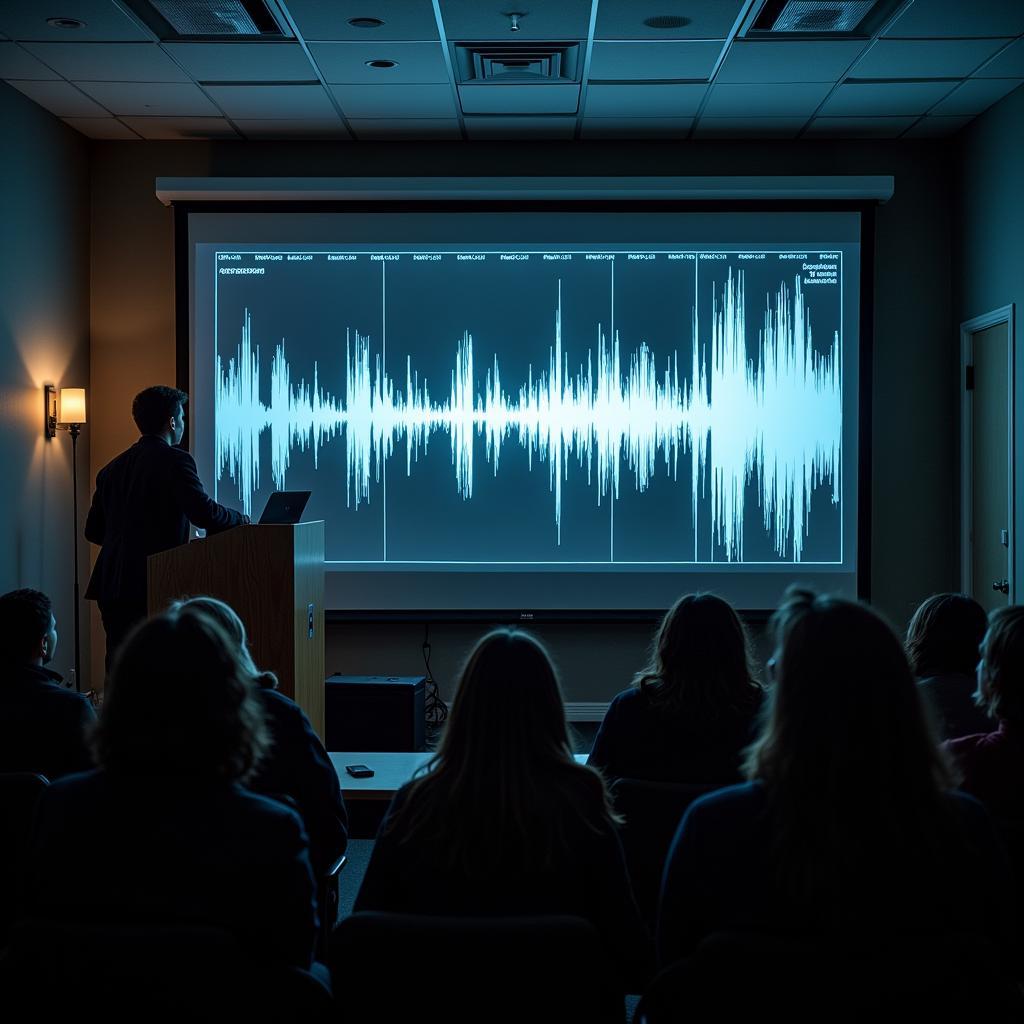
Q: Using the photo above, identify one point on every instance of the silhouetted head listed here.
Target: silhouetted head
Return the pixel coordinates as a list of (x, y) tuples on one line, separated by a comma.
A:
[(180, 702), (1001, 670), (845, 711), (160, 410), (944, 635), (701, 661), (234, 629), (504, 787), (28, 630)]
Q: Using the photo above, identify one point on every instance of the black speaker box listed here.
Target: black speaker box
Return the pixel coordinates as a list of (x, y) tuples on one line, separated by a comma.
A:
[(375, 712)]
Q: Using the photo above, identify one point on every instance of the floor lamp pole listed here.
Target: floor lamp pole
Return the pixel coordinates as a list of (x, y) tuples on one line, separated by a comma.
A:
[(75, 430)]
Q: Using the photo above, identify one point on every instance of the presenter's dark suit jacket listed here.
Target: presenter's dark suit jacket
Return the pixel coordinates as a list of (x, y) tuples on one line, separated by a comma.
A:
[(144, 501), (297, 766), (42, 725), (174, 850)]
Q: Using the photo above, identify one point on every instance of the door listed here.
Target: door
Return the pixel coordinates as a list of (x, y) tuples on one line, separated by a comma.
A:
[(987, 500)]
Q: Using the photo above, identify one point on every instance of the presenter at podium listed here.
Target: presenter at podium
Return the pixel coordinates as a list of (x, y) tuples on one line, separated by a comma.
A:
[(144, 501)]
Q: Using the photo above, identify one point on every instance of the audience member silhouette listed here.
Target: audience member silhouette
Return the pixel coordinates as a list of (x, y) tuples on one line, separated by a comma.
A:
[(162, 829), (942, 645), (42, 725), (504, 821), (849, 825), (143, 502), (691, 711), (296, 765), (992, 762)]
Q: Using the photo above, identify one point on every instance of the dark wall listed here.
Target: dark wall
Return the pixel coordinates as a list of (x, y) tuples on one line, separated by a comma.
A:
[(989, 231), (913, 420), (44, 339)]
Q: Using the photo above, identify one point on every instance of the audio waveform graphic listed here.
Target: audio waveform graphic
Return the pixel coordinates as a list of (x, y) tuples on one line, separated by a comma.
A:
[(776, 419)]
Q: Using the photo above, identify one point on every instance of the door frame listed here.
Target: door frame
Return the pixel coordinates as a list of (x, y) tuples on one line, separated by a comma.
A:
[(1005, 314)]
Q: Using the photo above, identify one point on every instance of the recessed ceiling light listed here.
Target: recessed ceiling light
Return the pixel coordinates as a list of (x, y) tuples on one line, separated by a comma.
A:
[(382, 63), (365, 22), (65, 23), (667, 21)]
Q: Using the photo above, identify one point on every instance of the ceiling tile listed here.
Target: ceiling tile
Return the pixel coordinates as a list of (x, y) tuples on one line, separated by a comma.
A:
[(109, 62), (749, 127), (487, 19), (346, 63), (104, 21), (243, 62), (936, 127), (636, 127), (952, 18), (1008, 64), (181, 127), (101, 127), (858, 127), (976, 95), (924, 58), (520, 127), (264, 102), (788, 61), (292, 128), (406, 128), (774, 100), (16, 63), (156, 99), (60, 98), (646, 61), (866, 99), (519, 99), (705, 19), (381, 101), (328, 19), (644, 100)]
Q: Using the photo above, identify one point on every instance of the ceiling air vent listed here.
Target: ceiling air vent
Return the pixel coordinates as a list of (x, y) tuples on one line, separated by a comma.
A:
[(819, 19), (505, 63), (211, 19)]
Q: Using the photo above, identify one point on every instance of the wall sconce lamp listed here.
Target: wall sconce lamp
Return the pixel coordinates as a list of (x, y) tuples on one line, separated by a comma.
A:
[(65, 410)]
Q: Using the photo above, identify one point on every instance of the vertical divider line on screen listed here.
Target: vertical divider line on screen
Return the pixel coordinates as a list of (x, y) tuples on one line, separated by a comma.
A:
[(383, 463), (611, 334)]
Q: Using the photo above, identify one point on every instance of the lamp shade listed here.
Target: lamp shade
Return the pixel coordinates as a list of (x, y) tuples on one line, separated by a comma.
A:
[(72, 405)]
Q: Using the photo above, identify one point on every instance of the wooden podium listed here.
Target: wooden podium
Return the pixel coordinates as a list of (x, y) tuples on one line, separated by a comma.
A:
[(273, 576)]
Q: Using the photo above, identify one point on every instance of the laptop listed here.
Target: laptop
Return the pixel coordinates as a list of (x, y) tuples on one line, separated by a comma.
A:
[(284, 507)]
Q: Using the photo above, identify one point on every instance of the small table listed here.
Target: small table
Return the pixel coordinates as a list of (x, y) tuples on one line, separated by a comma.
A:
[(391, 771)]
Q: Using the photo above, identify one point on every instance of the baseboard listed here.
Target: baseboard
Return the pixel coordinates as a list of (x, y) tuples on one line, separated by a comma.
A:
[(585, 710)]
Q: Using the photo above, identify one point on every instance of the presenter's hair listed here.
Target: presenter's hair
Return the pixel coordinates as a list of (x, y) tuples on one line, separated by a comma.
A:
[(152, 408), (24, 620), (503, 788), (701, 663), (846, 753), (227, 618), (944, 635), (1002, 665), (179, 701)]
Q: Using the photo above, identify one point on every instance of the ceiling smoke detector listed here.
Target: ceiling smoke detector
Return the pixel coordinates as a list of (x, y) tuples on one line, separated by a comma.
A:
[(65, 23), (667, 21)]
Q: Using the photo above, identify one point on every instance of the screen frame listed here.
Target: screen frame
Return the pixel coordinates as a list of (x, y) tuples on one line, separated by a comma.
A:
[(866, 209)]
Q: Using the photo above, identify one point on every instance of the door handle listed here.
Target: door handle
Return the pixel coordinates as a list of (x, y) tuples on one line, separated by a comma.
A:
[(1002, 586)]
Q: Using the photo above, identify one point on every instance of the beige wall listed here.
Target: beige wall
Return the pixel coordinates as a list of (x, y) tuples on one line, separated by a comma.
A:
[(914, 368), (44, 338)]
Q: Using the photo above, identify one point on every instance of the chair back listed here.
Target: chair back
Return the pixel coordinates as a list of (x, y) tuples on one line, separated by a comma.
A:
[(387, 966), (890, 975), (652, 813), (19, 792), (147, 971)]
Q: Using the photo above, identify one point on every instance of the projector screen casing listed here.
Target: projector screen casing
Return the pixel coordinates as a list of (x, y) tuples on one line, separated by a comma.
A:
[(540, 596)]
